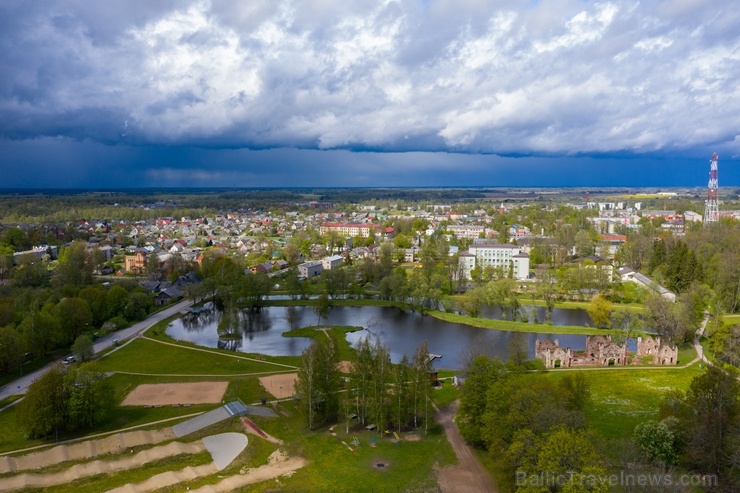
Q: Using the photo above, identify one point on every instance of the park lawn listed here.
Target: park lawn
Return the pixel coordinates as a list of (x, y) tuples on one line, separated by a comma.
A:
[(157, 358), (338, 332), (686, 354), (512, 326), (731, 319), (622, 398), (11, 436), (332, 467)]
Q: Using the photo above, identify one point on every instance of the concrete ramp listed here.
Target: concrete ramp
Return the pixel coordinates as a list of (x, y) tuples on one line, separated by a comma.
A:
[(199, 422)]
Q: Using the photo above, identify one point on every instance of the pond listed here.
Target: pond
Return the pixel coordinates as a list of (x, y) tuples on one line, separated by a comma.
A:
[(402, 331)]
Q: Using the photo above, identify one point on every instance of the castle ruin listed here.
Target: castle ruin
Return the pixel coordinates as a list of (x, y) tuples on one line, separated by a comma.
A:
[(602, 351)]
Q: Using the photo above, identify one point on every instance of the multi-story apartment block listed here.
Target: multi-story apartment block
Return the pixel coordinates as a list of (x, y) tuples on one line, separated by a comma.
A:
[(351, 229), (509, 257), (332, 262), (470, 231), (310, 269)]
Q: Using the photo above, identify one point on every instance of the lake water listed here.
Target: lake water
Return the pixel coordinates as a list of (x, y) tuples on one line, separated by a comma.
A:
[(402, 331)]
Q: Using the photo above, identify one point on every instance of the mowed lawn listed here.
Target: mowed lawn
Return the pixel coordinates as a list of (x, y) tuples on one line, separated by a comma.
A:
[(159, 358), (622, 398)]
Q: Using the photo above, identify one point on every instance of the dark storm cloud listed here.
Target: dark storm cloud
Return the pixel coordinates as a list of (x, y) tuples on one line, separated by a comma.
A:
[(563, 78)]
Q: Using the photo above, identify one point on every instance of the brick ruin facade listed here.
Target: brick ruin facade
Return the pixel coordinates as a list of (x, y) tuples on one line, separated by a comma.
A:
[(663, 354), (602, 351)]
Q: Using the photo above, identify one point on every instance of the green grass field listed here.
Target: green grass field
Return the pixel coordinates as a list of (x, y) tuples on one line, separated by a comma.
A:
[(177, 358), (623, 398)]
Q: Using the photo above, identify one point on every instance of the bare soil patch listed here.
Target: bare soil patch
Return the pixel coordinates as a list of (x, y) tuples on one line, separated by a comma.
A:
[(281, 385), (166, 394)]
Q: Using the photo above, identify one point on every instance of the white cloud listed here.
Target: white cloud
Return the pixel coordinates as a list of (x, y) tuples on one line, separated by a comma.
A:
[(567, 76)]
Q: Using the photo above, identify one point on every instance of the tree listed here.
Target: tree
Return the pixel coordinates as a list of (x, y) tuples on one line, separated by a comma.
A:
[(714, 413), (483, 373), (253, 288), (307, 384), (401, 396), (656, 441), (116, 301), (584, 243), (39, 329), (91, 398), (473, 301), (321, 307), (318, 382), (83, 347), (571, 454), (335, 282), (137, 306), (11, 350), (726, 344), (95, 297), (44, 408), (420, 383), (518, 350), (74, 318), (599, 310), (75, 266)]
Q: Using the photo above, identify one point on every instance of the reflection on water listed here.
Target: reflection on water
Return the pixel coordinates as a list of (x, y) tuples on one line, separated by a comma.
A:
[(402, 331)]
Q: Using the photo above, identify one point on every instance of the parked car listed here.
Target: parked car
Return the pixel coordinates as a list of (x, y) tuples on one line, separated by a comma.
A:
[(69, 359)]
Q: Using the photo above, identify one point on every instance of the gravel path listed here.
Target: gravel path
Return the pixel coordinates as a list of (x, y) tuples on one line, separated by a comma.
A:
[(468, 475)]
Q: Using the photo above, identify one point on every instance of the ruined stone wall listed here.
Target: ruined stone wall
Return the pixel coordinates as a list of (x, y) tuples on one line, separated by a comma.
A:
[(663, 354)]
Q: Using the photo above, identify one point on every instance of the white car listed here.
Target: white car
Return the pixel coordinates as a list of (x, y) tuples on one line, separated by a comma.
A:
[(69, 359)]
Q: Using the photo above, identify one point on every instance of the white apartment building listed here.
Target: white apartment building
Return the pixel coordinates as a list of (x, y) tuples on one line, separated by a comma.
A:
[(470, 231), (350, 229), (509, 257)]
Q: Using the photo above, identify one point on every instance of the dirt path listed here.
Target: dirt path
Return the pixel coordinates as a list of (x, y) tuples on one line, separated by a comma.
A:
[(468, 475)]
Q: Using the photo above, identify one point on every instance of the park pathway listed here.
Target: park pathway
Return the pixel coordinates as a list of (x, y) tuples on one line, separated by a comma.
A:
[(468, 475)]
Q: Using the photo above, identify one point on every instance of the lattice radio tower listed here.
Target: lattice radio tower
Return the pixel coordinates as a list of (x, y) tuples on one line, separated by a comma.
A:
[(711, 212)]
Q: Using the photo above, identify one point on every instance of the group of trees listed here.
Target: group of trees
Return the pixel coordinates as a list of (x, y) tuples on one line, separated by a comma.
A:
[(376, 391), (536, 425), (698, 429), (65, 399), (65, 304)]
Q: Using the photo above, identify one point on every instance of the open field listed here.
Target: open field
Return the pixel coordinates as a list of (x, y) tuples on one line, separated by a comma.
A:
[(621, 399), (155, 357), (167, 394)]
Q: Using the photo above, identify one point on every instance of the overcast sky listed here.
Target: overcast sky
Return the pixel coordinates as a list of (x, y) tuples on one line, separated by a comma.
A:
[(122, 93)]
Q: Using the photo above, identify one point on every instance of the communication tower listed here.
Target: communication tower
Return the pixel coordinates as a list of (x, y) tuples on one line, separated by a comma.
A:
[(711, 212)]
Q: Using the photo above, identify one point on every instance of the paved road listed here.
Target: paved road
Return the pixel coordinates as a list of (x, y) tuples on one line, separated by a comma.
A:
[(20, 385), (468, 475)]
